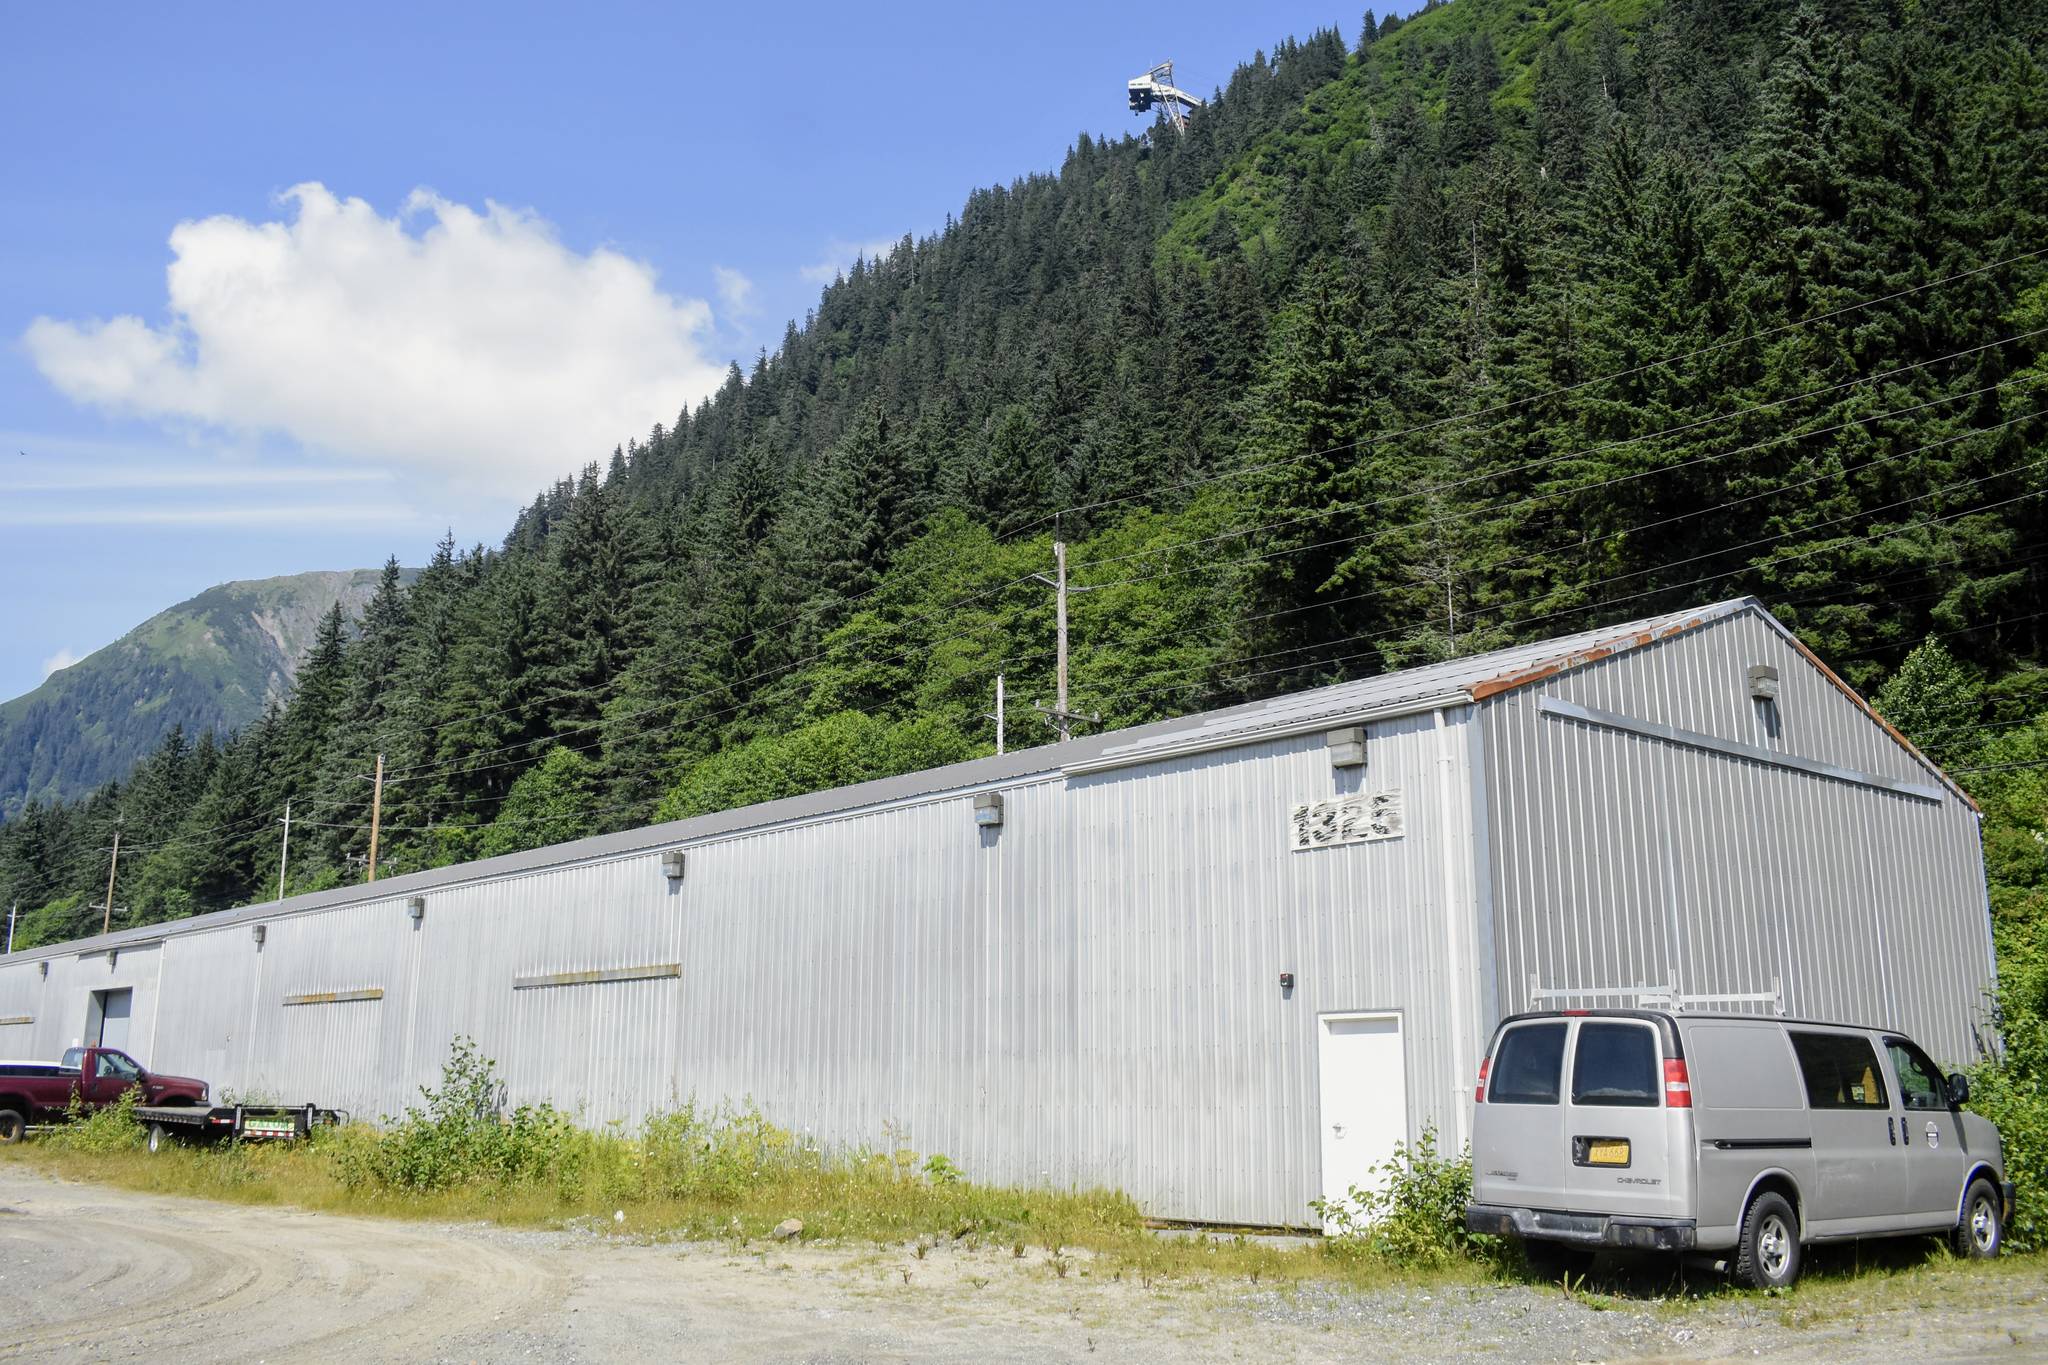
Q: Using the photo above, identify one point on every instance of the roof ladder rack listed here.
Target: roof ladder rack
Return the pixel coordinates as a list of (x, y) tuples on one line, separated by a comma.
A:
[(1662, 996)]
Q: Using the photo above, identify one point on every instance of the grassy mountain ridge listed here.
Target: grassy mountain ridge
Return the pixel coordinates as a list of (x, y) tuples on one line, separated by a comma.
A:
[(210, 663)]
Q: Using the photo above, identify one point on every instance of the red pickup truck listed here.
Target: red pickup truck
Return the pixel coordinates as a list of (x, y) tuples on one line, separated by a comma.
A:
[(40, 1092)]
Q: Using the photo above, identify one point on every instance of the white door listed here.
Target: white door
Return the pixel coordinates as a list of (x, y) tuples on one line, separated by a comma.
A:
[(1364, 1088), (114, 1010)]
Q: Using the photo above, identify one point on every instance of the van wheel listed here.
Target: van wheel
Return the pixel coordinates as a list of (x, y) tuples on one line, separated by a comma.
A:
[(12, 1126), (1768, 1257), (1981, 1234), (158, 1138)]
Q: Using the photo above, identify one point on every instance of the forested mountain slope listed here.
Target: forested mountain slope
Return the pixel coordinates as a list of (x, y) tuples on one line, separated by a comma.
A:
[(1504, 321), (210, 663)]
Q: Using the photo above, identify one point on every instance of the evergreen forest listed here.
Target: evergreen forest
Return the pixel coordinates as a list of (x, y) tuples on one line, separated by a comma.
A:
[(1513, 318)]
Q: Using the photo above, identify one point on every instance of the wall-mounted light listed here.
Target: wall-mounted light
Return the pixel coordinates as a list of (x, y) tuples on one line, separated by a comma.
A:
[(1763, 682), (256, 932), (113, 957), (416, 909), (1286, 982), (44, 967), (988, 809), (1346, 746), (672, 864)]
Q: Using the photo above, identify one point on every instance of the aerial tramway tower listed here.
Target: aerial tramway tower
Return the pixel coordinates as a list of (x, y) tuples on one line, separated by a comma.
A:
[(1156, 87)]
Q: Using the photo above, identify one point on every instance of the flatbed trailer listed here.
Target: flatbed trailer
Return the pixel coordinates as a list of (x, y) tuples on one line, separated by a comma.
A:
[(233, 1122)]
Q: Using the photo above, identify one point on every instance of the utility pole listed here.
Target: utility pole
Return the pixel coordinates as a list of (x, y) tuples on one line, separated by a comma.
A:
[(284, 849), (997, 714), (107, 919), (1057, 715), (376, 814)]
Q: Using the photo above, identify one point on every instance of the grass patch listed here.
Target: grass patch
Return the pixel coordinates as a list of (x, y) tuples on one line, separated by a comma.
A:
[(728, 1175)]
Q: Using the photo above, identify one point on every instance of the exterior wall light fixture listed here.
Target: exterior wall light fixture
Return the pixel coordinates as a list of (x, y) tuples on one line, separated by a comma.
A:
[(672, 864), (416, 909), (1763, 682), (1346, 746), (988, 809), (256, 931)]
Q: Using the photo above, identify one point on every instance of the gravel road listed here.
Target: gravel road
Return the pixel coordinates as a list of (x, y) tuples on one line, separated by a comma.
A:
[(93, 1273)]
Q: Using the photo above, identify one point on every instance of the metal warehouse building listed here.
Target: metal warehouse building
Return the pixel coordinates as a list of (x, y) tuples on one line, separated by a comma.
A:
[(1221, 962)]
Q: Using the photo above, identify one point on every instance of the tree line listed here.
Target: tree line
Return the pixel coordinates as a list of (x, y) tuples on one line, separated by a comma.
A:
[(1498, 323)]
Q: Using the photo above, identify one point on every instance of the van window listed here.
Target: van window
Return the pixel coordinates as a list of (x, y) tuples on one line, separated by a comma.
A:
[(1527, 1065), (1920, 1085), (1616, 1064), (1841, 1071)]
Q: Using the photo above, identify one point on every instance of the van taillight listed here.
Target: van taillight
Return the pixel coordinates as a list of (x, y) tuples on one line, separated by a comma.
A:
[(1479, 1092), (1677, 1084)]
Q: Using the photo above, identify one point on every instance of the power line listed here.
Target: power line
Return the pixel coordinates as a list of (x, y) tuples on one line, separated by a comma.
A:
[(1560, 390), (1388, 437)]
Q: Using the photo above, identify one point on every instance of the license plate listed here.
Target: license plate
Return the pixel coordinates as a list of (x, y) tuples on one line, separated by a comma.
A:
[(1608, 1153), (269, 1128)]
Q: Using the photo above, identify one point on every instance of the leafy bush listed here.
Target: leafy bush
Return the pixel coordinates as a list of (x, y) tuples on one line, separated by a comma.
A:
[(460, 1135), (1416, 1218), (110, 1128)]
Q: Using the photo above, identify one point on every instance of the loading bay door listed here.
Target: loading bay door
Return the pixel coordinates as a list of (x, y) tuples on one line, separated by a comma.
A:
[(110, 1026)]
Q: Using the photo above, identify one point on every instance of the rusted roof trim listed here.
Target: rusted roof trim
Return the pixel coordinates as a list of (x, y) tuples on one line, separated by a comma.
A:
[(1508, 682)]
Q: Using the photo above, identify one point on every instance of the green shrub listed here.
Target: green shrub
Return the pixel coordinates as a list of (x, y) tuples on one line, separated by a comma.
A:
[(110, 1128), (460, 1135), (1416, 1218)]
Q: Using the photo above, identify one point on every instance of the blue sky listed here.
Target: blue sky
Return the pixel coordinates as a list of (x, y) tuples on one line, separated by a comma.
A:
[(431, 256)]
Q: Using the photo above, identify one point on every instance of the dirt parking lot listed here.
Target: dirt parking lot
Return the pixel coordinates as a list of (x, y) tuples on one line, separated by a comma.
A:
[(92, 1273)]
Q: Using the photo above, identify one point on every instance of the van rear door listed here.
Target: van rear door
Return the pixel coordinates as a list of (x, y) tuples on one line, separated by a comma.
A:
[(1626, 1152), (1518, 1125)]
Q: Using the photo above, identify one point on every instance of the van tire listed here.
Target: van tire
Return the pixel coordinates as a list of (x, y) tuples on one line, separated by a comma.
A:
[(1981, 1233), (12, 1126), (1768, 1255)]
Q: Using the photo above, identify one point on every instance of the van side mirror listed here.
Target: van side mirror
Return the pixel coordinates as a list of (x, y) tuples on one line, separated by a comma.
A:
[(1958, 1088)]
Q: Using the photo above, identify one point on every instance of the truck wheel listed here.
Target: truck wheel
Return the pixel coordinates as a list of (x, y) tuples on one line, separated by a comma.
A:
[(1768, 1256), (12, 1126), (1981, 1234), (158, 1138)]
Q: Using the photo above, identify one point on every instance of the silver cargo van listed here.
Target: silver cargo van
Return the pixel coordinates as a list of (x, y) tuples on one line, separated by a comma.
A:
[(1722, 1133)]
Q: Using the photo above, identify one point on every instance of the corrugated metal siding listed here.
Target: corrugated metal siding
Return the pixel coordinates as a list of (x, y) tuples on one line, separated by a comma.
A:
[(1621, 859), (1087, 996), (1192, 904), (1090, 995)]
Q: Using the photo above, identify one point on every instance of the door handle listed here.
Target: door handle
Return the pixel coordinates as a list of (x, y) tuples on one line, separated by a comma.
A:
[(1890, 1135)]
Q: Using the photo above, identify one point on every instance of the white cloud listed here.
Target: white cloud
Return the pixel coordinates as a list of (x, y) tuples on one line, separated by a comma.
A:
[(62, 659), (840, 256), (479, 347), (735, 290)]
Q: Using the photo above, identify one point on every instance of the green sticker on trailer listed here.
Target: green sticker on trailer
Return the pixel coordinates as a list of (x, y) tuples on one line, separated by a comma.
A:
[(269, 1127)]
